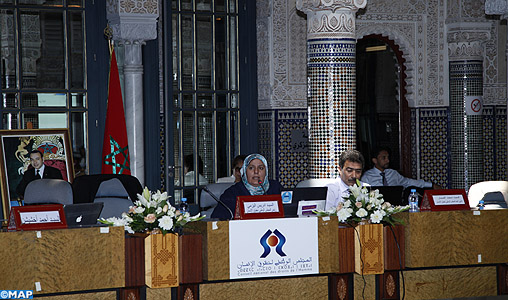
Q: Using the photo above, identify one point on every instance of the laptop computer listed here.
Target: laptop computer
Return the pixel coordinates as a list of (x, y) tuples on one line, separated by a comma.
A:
[(392, 194), (83, 214), (291, 197)]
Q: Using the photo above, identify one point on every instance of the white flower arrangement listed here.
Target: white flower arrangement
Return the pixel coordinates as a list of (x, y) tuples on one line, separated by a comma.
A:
[(362, 205), (152, 213)]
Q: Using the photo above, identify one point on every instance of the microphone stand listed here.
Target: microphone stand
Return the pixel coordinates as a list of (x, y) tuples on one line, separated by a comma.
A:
[(219, 201)]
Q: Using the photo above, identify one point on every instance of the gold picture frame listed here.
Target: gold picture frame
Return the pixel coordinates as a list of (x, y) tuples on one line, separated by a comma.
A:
[(15, 148)]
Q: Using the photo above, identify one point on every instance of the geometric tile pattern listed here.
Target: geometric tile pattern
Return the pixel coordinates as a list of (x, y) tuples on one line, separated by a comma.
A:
[(488, 143), (466, 79), (434, 150), (291, 146), (331, 100), (501, 142), (266, 133)]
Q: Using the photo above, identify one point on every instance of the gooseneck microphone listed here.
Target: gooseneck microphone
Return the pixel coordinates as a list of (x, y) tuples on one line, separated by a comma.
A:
[(261, 185), (219, 201)]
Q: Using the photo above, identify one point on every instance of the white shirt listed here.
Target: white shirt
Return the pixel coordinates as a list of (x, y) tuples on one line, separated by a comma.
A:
[(229, 179), (41, 171), (336, 191), (374, 178)]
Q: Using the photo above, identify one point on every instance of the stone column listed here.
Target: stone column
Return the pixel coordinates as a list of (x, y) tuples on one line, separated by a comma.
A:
[(331, 76), (466, 55), (132, 26)]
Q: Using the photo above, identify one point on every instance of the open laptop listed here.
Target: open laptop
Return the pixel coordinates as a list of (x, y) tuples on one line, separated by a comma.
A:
[(291, 197), (392, 194), (83, 214)]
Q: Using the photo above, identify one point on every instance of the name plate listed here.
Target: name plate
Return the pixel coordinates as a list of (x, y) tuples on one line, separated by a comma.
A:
[(37, 217), (259, 207), (439, 200)]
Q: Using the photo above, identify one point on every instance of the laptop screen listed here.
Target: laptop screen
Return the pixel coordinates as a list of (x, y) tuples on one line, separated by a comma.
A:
[(82, 214), (291, 197)]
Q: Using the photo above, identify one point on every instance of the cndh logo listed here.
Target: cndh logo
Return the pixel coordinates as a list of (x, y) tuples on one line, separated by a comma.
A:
[(272, 239)]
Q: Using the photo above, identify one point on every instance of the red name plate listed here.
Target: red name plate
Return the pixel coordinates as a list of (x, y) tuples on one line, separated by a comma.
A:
[(37, 217), (259, 207), (440, 200)]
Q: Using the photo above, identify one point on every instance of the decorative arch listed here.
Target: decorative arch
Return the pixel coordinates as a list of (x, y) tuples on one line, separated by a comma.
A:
[(406, 79)]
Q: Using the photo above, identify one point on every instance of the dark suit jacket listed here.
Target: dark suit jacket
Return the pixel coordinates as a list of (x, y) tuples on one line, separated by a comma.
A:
[(29, 176)]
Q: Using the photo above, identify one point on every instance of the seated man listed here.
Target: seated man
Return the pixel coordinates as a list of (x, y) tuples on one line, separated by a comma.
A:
[(39, 171), (380, 174), (350, 167), (237, 165)]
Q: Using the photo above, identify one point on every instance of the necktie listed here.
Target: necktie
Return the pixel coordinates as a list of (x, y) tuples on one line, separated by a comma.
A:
[(384, 178), (38, 175)]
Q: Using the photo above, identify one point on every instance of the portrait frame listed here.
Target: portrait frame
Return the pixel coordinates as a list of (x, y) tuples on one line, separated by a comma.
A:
[(15, 148)]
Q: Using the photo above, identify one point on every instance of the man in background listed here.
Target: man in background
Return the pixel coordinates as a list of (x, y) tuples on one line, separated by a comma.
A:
[(237, 165), (351, 164), (382, 175), (39, 171)]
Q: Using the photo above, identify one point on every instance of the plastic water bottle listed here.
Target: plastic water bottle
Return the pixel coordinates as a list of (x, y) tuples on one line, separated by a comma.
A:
[(481, 205), (184, 207), (413, 201)]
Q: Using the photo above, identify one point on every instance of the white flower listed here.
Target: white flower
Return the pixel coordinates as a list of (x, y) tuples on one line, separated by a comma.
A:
[(361, 213), (343, 215), (355, 190), (166, 223), (377, 216), (139, 210)]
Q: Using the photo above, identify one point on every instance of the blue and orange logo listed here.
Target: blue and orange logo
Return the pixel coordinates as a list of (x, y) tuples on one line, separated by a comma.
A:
[(272, 239)]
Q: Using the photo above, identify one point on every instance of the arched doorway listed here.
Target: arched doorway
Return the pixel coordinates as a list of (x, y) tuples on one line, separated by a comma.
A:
[(382, 111)]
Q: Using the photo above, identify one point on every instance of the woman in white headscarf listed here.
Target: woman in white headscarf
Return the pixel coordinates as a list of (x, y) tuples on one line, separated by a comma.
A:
[(254, 182)]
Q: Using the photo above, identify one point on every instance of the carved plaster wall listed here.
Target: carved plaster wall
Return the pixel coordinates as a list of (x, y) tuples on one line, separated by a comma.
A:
[(417, 26)]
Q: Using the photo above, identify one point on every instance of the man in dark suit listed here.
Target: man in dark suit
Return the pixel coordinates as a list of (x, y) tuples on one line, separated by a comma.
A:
[(39, 171)]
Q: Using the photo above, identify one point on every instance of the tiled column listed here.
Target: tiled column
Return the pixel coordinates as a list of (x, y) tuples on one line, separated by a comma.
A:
[(331, 76), (134, 24), (466, 51)]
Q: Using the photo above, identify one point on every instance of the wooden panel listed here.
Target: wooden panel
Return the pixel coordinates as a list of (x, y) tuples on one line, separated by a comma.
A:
[(364, 286), (450, 283), (369, 257), (456, 238), (388, 285), (346, 248), (395, 247), (109, 295), (328, 240), (190, 258), (63, 260), (340, 287), (217, 251), (315, 287), (161, 260), (135, 260)]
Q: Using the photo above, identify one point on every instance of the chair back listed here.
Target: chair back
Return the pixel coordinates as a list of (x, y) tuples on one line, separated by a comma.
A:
[(485, 190), (115, 198), (207, 204), (316, 182), (46, 191)]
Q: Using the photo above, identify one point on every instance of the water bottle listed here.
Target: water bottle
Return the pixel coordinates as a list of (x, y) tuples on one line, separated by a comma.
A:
[(184, 207), (481, 205), (413, 201)]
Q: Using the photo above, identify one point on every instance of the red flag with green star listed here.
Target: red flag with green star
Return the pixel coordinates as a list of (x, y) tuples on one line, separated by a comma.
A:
[(115, 149)]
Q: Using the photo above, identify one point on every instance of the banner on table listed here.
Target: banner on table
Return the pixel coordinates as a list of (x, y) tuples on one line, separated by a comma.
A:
[(273, 247)]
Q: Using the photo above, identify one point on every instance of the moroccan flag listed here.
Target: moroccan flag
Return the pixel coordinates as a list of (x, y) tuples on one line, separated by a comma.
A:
[(115, 149)]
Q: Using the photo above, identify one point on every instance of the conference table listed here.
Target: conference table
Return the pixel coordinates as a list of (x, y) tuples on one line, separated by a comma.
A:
[(435, 255)]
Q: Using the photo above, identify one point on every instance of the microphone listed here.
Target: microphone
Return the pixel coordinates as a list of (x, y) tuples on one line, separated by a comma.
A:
[(261, 185), (205, 188)]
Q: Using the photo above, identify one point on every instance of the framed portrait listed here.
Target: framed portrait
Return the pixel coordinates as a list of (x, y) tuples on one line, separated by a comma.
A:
[(16, 148)]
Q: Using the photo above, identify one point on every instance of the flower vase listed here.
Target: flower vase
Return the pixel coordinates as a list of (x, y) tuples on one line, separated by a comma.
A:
[(369, 251), (161, 260)]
